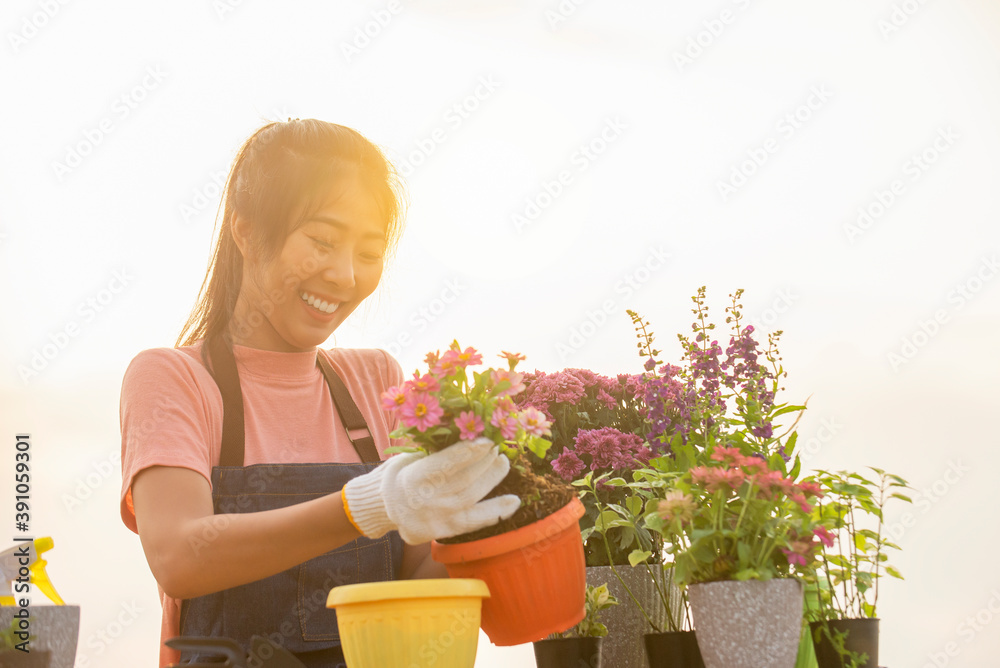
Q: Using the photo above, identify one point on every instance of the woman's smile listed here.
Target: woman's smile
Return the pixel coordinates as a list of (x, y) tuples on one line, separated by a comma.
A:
[(326, 267)]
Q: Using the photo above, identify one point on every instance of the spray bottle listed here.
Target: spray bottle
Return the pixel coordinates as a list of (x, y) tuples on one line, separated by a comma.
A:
[(22, 564)]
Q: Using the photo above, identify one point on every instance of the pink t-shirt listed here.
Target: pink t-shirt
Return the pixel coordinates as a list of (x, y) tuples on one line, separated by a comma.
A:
[(171, 415)]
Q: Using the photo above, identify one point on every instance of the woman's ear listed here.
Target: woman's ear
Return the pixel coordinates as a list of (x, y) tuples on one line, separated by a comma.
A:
[(241, 234)]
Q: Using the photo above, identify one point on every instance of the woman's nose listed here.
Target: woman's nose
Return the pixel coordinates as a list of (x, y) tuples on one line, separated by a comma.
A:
[(338, 269)]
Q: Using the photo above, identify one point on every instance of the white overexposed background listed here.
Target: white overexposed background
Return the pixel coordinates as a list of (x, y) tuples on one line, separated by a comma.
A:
[(732, 145)]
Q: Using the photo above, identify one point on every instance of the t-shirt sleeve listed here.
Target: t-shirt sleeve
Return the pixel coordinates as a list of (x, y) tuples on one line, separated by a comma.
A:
[(166, 419)]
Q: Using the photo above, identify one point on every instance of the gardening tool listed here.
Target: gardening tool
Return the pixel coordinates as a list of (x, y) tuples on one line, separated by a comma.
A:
[(27, 554), (268, 655)]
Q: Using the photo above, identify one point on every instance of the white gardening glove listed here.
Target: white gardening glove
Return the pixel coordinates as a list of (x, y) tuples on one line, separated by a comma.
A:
[(426, 497)]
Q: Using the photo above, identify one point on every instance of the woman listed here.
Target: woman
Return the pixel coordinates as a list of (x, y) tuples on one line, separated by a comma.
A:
[(249, 456)]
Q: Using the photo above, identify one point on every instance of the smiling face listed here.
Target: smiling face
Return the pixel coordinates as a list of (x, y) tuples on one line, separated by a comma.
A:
[(326, 267)]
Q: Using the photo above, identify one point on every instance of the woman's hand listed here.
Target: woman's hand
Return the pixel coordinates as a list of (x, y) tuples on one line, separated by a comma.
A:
[(426, 497)]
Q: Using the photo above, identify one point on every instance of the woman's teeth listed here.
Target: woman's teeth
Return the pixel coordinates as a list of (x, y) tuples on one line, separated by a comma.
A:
[(318, 304)]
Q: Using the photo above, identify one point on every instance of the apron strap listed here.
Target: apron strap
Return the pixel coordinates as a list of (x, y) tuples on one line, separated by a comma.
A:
[(352, 418), (223, 370)]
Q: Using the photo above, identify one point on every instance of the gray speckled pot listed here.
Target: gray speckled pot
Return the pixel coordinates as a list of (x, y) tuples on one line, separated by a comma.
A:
[(749, 624), (55, 627), (623, 647)]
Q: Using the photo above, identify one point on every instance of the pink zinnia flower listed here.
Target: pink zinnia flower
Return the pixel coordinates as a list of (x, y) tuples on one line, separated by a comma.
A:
[(534, 423), (469, 425), (729, 456), (755, 465), (393, 398), (505, 418), (773, 482), (715, 479), (455, 358), (421, 411), (811, 488), (515, 379), (425, 383)]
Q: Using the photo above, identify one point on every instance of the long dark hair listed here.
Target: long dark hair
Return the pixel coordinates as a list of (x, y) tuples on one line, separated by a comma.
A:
[(280, 168)]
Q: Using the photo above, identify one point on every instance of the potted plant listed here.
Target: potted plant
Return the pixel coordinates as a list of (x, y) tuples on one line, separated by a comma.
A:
[(667, 639), (737, 524), (541, 542), (598, 432), (581, 645), (844, 594)]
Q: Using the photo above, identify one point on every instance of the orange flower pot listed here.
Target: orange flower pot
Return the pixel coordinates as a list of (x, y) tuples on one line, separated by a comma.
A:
[(536, 575)]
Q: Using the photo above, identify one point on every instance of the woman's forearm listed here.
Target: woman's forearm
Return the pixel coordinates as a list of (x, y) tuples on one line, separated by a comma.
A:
[(192, 552)]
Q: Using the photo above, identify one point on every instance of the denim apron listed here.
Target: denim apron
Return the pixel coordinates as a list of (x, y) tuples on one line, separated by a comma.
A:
[(288, 608)]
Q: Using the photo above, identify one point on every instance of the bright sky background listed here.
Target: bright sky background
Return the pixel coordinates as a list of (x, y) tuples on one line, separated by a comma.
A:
[(900, 364)]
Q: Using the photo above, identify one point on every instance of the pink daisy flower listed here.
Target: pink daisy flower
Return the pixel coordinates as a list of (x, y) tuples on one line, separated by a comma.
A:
[(469, 425), (729, 456), (393, 398), (425, 383), (421, 411), (811, 488), (505, 420), (516, 385), (534, 423)]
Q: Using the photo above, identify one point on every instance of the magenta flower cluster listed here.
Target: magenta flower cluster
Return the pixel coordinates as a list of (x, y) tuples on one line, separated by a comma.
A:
[(601, 450), (546, 391)]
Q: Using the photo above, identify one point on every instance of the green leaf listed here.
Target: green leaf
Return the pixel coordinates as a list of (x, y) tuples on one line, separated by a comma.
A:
[(743, 551), (403, 448), (637, 557), (894, 573), (787, 409)]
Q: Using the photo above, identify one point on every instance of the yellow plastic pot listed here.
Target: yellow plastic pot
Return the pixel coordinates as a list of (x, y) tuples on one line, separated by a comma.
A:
[(409, 623)]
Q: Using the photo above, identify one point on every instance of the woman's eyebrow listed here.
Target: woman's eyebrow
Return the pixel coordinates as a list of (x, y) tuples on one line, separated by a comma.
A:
[(341, 225)]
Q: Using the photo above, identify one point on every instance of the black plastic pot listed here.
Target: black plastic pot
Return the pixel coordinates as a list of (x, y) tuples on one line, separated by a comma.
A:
[(862, 637), (673, 649), (568, 653)]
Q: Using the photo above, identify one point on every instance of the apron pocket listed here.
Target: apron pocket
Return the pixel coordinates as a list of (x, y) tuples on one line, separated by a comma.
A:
[(362, 560)]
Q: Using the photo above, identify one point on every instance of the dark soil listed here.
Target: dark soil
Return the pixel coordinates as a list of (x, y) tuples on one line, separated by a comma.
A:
[(542, 495)]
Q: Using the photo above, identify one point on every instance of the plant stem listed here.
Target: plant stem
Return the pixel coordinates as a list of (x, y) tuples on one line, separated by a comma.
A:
[(878, 544), (611, 563)]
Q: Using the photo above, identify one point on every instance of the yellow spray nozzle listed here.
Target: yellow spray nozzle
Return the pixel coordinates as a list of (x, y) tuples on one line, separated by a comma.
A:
[(40, 579), (27, 554)]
